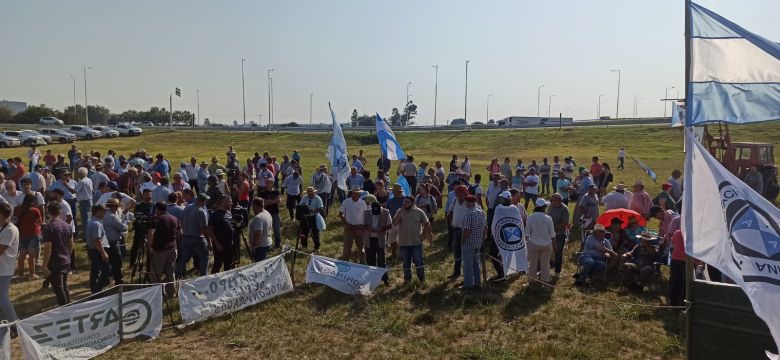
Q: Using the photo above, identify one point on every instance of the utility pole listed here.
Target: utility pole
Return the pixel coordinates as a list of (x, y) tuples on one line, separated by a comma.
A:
[(666, 96), (487, 109), (617, 103), (466, 97), (435, 94), (598, 108), (86, 104), (311, 97), (269, 98), (74, 94), (243, 90), (197, 95), (538, 98), (549, 103)]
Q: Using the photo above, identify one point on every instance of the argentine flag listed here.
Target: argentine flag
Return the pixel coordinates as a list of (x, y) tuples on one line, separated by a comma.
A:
[(337, 153), (734, 75), (391, 149)]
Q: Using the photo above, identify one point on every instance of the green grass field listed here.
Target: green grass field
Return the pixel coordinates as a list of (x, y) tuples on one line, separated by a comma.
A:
[(435, 320)]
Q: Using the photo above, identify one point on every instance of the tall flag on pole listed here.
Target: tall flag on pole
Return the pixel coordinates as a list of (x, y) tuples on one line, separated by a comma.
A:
[(337, 153), (646, 168), (734, 75), (391, 149), (733, 228)]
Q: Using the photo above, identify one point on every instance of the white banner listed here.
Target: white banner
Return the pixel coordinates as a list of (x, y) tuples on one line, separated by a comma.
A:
[(509, 237), (733, 228), (223, 293), (349, 278), (88, 329), (5, 341)]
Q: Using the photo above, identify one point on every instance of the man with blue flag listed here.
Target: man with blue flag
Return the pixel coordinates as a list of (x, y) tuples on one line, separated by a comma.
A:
[(391, 149)]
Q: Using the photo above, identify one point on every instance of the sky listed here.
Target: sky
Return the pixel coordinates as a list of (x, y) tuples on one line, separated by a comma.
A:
[(356, 54)]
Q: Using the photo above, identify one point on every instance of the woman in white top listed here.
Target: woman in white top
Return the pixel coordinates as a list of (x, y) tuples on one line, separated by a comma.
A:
[(9, 247)]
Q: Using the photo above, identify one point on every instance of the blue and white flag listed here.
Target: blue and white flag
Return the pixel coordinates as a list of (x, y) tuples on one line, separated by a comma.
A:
[(337, 153), (407, 190), (734, 74), (646, 168), (391, 149), (349, 278), (678, 114), (733, 228), (509, 236)]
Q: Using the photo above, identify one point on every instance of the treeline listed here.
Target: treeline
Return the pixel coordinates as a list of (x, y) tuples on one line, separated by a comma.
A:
[(97, 115)]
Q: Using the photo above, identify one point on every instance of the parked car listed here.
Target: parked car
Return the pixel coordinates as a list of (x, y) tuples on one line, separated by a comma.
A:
[(128, 130), (59, 135), (9, 141), (51, 120), (26, 138), (45, 138), (106, 131), (84, 132), (146, 123)]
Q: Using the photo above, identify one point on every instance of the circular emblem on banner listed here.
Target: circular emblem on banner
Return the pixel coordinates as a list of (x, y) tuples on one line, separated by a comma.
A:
[(136, 315), (753, 232), (509, 234), (343, 267)]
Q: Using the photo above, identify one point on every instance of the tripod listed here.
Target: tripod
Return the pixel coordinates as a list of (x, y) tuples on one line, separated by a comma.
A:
[(138, 255)]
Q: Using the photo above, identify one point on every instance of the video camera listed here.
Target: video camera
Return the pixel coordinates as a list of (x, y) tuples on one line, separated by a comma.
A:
[(239, 216)]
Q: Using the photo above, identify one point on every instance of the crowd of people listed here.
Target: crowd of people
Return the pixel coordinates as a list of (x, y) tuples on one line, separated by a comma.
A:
[(200, 210)]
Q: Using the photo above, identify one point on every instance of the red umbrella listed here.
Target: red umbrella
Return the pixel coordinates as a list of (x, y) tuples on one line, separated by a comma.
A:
[(622, 214)]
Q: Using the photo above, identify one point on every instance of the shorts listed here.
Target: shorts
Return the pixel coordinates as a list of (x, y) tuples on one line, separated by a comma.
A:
[(32, 243)]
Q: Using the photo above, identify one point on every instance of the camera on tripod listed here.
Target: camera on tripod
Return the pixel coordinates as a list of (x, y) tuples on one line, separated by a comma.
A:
[(238, 216)]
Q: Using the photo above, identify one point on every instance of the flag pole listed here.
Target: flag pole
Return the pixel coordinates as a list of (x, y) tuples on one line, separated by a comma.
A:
[(689, 269), (170, 117)]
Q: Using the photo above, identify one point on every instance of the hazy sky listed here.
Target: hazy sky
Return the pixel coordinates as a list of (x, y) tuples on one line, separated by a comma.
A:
[(356, 54)]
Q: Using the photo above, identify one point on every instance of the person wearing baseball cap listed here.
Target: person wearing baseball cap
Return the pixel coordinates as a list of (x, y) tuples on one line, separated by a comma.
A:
[(455, 221), (596, 253), (195, 242), (541, 234), (351, 214), (664, 199), (474, 224)]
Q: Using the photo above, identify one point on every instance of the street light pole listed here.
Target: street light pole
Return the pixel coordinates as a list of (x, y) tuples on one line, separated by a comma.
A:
[(598, 108), (74, 94), (243, 90), (466, 97), (617, 102), (549, 104), (538, 98), (435, 94), (666, 96), (636, 100), (311, 97), (197, 96), (269, 98), (487, 109), (86, 104)]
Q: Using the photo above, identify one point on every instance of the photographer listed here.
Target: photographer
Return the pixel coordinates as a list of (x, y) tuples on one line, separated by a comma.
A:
[(161, 238), (220, 230), (115, 232)]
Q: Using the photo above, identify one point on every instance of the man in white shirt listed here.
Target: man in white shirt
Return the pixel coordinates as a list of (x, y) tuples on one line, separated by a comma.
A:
[(192, 173), (617, 199), (9, 248), (531, 185), (260, 231), (292, 186), (84, 196), (621, 157), (541, 232), (351, 214)]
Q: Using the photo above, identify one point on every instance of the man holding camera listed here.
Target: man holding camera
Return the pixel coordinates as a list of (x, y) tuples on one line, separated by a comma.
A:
[(161, 238), (220, 230)]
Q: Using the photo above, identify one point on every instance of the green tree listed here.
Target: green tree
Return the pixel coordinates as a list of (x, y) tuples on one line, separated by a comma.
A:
[(33, 114), (410, 112), (395, 117), (206, 122), (6, 116), (354, 118), (98, 114), (73, 115)]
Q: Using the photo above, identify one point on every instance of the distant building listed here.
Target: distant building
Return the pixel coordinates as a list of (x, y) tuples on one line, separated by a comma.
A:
[(14, 106), (534, 121)]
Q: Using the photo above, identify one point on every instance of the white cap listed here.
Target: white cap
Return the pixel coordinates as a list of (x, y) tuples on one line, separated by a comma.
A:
[(506, 195), (542, 202)]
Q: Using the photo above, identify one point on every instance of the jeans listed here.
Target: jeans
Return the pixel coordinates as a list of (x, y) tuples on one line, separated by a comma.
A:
[(412, 180), (84, 209), (590, 265), (193, 247), (7, 311), (74, 207), (306, 227), (325, 202), (471, 267), (554, 184), (260, 253), (413, 253), (292, 201), (457, 234), (677, 283), (560, 242), (115, 261), (545, 186), (223, 259), (277, 224), (99, 271), (375, 256), (59, 284)]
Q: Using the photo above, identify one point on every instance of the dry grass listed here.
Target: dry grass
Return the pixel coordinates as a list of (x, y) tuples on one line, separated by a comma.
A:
[(434, 320)]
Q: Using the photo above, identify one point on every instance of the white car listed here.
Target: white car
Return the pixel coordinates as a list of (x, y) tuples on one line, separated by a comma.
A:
[(146, 124), (9, 141), (59, 135), (106, 131), (128, 130), (26, 138), (45, 138), (51, 120), (84, 132)]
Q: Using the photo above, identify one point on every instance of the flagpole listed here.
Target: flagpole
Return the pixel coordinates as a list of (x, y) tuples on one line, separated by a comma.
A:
[(689, 269), (170, 118)]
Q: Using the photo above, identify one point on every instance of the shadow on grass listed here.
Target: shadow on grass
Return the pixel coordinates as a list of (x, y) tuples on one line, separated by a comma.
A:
[(526, 301)]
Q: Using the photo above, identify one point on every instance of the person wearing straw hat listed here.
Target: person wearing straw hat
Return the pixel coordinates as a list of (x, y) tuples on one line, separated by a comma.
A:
[(616, 199), (640, 201), (203, 177), (595, 255), (474, 225), (639, 264), (351, 215), (541, 233), (308, 224), (377, 221)]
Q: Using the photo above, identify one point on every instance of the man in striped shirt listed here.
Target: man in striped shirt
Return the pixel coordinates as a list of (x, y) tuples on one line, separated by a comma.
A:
[(474, 228)]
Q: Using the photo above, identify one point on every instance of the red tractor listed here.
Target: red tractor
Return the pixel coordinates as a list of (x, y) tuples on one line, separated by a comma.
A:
[(739, 157)]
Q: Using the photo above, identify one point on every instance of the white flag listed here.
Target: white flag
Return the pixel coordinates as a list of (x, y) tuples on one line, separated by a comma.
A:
[(337, 153), (733, 228), (509, 237), (349, 278)]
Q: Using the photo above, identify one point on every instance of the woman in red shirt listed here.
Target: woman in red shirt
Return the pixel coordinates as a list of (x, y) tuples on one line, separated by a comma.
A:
[(677, 270), (29, 220)]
